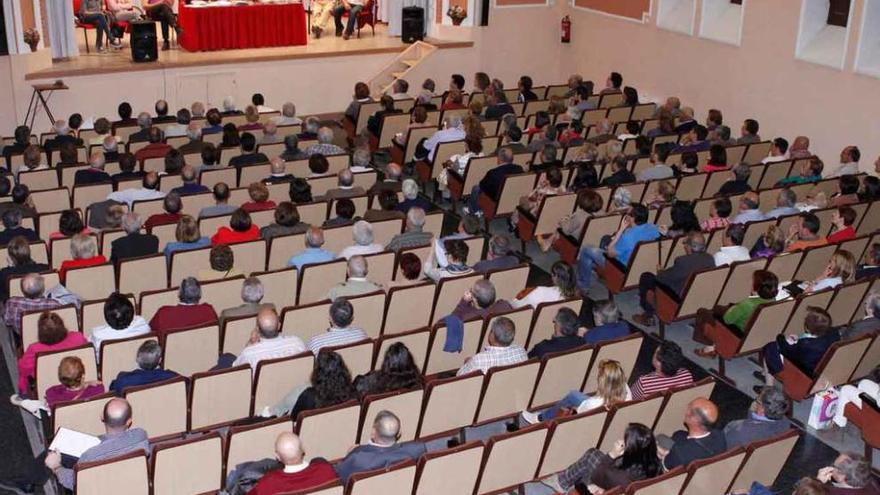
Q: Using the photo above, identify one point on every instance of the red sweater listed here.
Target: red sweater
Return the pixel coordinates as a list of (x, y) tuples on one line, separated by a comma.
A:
[(69, 264), (170, 318), (842, 235), (252, 206), (161, 219), (225, 235), (318, 473)]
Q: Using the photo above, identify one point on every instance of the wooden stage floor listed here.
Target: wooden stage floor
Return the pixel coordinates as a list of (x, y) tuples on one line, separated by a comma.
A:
[(327, 46)]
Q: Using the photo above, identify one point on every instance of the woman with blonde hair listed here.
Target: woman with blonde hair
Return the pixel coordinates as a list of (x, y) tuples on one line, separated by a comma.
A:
[(611, 389), (841, 269), (84, 251), (773, 243), (662, 194)]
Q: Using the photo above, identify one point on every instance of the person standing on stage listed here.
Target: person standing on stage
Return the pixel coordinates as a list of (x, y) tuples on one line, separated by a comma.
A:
[(353, 7), (321, 10), (162, 11)]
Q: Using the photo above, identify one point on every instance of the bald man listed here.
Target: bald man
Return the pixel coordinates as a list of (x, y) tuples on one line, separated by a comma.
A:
[(391, 182), (94, 173), (190, 178), (278, 172), (701, 440), (119, 438), (297, 473), (266, 341), (382, 451), (33, 287)]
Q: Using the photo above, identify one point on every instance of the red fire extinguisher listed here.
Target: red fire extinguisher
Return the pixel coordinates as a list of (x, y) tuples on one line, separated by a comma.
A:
[(566, 30)]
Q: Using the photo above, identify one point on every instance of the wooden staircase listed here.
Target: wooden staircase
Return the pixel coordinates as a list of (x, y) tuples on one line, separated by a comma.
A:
[(399, 67)]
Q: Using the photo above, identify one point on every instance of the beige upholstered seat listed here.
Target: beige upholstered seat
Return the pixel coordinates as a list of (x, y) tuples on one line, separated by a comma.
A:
[(511, 459), (160, 408), (394, 480), (92, 282), (143, 274), (450, 404), (188, 466), (644, 412), (765, 460), (569, 438), (670, 419), (406, 405), (624, 351), (219, 397), (561, 372), (83, 416), (316, 280), (507, 390), (47, 366), (440, 361), (106, 477), (120, 355), (275, 378), (508, 283), (329, 432), (193, 350), (715, 474), (401, 315), (246, 443), (452, 470), (415, 341)]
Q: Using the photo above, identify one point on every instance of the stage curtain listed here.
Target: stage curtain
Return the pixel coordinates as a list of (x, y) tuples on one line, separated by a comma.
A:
[(252, 26)]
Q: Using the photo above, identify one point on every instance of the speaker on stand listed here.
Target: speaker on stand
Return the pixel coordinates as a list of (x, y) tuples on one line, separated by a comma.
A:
[(144, 42), (413, 24)]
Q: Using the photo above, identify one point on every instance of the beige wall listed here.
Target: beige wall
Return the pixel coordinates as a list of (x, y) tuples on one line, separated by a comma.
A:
[(760, 79)]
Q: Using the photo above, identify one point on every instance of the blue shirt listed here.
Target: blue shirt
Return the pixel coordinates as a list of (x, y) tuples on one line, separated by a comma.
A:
[(127, 379), (606, 332), (309, 256), (632, 236), (172, 247), (191, 188)]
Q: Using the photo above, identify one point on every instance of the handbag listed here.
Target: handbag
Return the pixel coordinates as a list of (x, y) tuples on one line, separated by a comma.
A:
[(823, 409)]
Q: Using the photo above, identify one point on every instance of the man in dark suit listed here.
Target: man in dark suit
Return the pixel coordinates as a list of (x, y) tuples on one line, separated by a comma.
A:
[(674, 278), (19, 253), (134, 243), (497, 106), (871, 267), (249, 155), (621, 174), (565, 335), (62, 135), (278, 172), (13, 228), (20, 195), (127, 165), (145, 122), (374, 123), (391, 182), (766, 419), (492, 181), (195, 144), (346, 187), (22, 141), (149, 357), (94, 174), (513, 140), (382, 450)]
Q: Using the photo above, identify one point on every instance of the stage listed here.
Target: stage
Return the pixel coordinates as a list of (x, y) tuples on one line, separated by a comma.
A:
[(327, 46)]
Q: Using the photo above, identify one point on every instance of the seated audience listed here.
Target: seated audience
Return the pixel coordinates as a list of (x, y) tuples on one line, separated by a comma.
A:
[(500, 350), (668, 373), (766, 419), (341, 331), (778, 151), (149, 370), (740, 182), (397, 373), (127, 165), (411, 198), (222, 261), (456, 257), (324, 145), (296, 473), (749, 210), (155, 148), (634, 228), (785, 204), (172, 205), (187, 237), (94, 173), (382, 451), (149, 190), (848, 191), (287, 222), (356, 283), (804, 351), (611, 389), (330, 384), (346, 187), (240, 229), (34, 298), (731, 249), (18, 254), (189, 312), (409, 272), (673, 279), (633, 458), (843, 220), (492, 182), (249, 154), (69, 224), (313, 253), (749, 132), (52, 336), (849, 162), (121, 322), (72, 386), (621, 174), (83, 252), (345, 211), (387, 201), (871, 265), (386, 107), (21, 199), (765, 287), (699, 441), (190, 178), (804, 234), (221, 199), (300, 191), (412, 236), (252, 293), (563, 279), (807, 171), (565, 335), (12, 228), (133, 244), (278, 171), (259, 194), (267, 342), (480, 301), (588, 204), (608, 322), (362, 235), (850, 474), (499, 256)]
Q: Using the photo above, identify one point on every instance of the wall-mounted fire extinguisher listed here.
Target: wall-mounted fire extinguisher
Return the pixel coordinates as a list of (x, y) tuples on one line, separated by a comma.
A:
[(566, 30)]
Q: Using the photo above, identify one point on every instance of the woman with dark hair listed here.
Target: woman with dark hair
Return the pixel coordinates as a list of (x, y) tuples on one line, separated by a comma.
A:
[(300, 191), (231, 139), (52, 335), (588, 203), (717, 159), (398, 372), (287, 222), (765, 286), (222, 261), (361, 95), (69, 224), (562, 275), (331, 385), (684, 220), (630, 96), (240, 229), (410, 268), (585, 176), (870, 189), (633, 458), (345, 210), (319, 166)]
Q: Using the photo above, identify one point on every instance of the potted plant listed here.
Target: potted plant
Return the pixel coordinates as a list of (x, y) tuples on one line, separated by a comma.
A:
[(457, 13), (32, 38)]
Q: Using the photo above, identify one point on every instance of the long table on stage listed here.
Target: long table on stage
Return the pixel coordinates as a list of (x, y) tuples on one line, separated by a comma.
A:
[(241, 26)]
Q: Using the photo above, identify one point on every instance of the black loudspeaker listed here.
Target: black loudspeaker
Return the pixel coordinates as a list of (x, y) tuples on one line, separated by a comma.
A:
[(413, 28), (144, 42)]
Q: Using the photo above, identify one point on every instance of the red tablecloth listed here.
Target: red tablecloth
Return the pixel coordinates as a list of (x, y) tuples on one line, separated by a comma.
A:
[(246, 26)]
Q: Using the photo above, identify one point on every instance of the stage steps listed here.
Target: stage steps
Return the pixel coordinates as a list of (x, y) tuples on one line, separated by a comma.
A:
[(399, 67)]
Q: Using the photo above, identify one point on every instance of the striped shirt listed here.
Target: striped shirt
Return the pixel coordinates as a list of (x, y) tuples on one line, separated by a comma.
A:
[(112, 445), (281, 346), (714, 223), (655, 382), (493, 357), (336, 337)]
